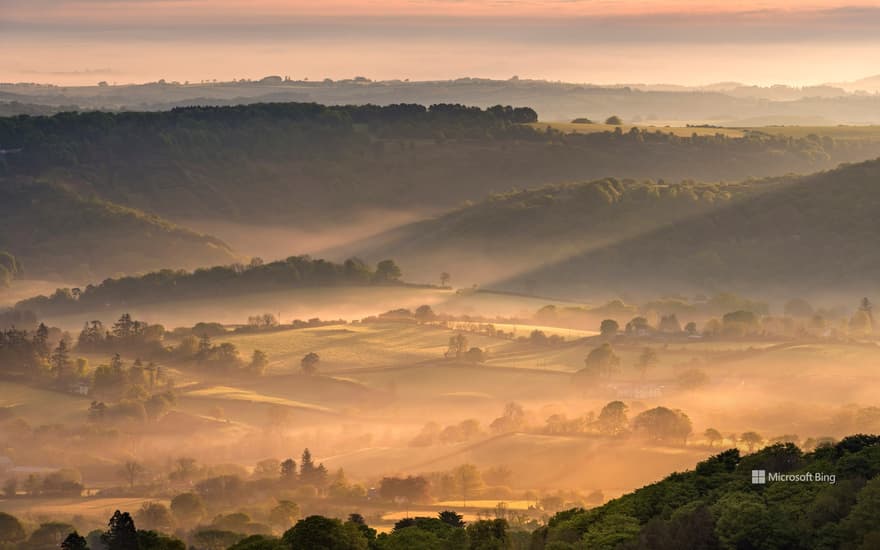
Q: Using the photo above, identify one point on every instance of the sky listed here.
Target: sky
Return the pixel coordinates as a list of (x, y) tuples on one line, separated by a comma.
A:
[(791, 42)]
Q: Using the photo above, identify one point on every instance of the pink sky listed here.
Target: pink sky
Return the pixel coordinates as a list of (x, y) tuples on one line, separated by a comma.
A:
[(107, 10), (599, 41)]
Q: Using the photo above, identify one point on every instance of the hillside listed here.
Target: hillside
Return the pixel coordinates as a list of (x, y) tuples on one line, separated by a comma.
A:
[(55, 233), (790, 234), (307, 165), (507, 233), (717, 505)]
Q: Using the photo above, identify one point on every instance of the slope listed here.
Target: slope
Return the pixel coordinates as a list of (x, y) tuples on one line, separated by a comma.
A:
[(55, 233)]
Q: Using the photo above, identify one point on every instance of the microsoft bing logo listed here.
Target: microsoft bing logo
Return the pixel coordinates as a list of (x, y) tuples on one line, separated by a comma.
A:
[(759, 477)]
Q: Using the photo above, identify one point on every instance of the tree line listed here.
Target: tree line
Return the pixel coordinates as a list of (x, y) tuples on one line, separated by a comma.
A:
[(167, 284)]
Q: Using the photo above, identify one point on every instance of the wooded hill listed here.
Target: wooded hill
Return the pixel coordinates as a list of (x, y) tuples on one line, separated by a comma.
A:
[(791, 233), (300, 164), (56, 233), (717, 506)]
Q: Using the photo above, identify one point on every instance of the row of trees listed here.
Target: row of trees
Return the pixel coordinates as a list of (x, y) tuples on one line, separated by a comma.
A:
[(447, 530), (167, 285)]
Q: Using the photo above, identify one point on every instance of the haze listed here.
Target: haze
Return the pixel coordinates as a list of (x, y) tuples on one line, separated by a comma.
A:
[(77, 43)]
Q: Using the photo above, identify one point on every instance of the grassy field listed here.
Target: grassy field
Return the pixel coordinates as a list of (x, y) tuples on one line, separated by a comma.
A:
[(92, 511), (346, 347), (683, 131), (841, 132), (305, 303), (42, 406)]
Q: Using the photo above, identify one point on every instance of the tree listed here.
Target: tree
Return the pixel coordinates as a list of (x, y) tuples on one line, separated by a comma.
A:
[(41, 341), (259, 362), (444, 279), (609, 328), (11, 530), (387, 271), (647, 359), (131, 470), (613, 120), (49, 536), (284, 515), (663, 425), (669, 324), (188, 508), (612, 419), (288, 471), (60, 359), (155, 516), (600, 362), (468, 482), (74, 541), (309, 473), (751, 439), (409, 489), (309, 363), (488, 534), (425, 313), (320, 533), (121, 533), (458, 345), (691, 328), (450, 518), (713, 436), (513, 419)]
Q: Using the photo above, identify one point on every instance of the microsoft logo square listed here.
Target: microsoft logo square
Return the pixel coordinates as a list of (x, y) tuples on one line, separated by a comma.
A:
[(759, 477)]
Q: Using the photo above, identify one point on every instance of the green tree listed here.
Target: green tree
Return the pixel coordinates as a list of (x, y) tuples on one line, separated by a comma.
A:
[(320, 533), (74, 541), (121, 533), (611, 531), (488, 535), (613, 120), (450, 518)]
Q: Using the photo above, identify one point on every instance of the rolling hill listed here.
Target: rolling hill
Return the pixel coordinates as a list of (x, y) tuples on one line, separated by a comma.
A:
[(56, 233), (789, 234), (308, 165)]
